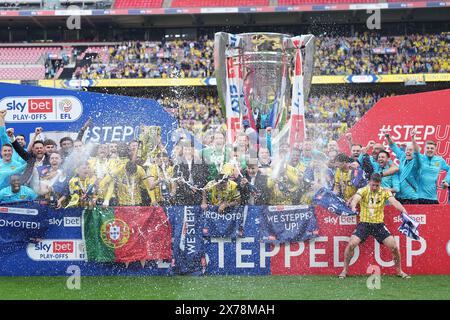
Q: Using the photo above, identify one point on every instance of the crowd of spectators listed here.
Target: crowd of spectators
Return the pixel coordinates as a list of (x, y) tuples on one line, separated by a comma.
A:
[(163, 59), (368, 53), (80, 173), (328, 116), (365, 53)]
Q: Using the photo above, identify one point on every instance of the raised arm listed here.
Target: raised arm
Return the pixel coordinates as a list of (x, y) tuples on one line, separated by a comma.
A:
[(349, 139), (399, 153), (37, 131), (414, 142), (393, 169), (83, 129)]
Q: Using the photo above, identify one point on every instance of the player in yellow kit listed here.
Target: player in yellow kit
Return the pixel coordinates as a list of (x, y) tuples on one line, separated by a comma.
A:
[(126, 183), (372, 199)]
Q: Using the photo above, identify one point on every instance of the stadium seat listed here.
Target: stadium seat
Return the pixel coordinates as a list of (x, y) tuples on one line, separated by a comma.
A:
[(218, 3), (24, 63), (124, 4), (24, 55), (297, 2), (32, 72)]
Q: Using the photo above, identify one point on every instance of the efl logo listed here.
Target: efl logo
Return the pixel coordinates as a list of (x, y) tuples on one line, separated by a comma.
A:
[(62, 247), (40, 105)]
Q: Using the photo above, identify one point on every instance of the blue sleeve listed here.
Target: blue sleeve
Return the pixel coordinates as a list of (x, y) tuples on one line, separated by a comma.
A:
[(19, 169), (3, 136), (399, 153), (416, 158), (421, 157), (444, 165), (447, 177), (375, 165), (396, 182), (361, 158), (31, 194)]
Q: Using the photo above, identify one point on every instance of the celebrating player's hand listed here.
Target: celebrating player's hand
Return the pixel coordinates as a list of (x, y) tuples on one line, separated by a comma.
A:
[(3, 113), (222, 207), (10, 132), (38, 131)]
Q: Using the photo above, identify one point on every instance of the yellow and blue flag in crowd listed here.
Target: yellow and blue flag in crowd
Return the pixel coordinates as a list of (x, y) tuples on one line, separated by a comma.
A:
[(331, 202)]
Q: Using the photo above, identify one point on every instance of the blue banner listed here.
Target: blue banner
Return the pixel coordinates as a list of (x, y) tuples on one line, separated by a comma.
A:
[(288, 224), (58, 111), (19, 224), (63, 246), (188, 248), (222, 225)]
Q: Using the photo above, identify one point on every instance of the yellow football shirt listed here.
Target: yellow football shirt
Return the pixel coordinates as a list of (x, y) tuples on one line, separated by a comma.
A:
[(372, 204), (342, 180)]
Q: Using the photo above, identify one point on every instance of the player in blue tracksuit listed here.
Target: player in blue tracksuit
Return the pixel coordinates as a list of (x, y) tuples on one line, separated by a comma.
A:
[(408, 174), (7, 166), (5, 140), (16, 192), (430, 167)]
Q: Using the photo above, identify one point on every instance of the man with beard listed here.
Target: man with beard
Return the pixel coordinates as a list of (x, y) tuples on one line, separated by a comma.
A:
[(391, 182)]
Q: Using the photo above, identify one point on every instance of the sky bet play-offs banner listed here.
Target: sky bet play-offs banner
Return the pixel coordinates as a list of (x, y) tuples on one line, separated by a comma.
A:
[(63, 245), (115, 118)]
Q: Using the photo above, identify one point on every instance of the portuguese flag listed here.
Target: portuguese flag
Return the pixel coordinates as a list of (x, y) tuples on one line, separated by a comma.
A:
[(127, 234)]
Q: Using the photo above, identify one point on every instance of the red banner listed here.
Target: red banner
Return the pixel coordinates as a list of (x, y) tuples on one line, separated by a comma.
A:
[(325, 255), (428, 112)]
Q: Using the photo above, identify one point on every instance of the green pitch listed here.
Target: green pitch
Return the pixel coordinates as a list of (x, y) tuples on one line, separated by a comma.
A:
[(226, 287)]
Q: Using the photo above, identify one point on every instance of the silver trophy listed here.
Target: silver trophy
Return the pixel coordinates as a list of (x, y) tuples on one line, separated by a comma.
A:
[(263, 80)]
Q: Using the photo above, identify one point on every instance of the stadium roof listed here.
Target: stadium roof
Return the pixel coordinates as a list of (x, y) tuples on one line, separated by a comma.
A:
[(209, 17)]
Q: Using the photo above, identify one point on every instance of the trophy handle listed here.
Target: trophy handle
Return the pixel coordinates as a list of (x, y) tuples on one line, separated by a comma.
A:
[(308, 41), (220, 45)]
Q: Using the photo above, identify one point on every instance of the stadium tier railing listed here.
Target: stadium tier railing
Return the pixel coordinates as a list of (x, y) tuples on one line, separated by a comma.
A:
[(218, 3)]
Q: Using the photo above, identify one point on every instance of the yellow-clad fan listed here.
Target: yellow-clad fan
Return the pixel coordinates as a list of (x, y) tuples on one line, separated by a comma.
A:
[(285, 184), (221, 192), (159, 175), (118, 158), (126, 183), (82, 188), (343, 186)]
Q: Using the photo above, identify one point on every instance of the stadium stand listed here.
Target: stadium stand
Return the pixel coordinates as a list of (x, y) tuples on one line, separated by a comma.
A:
[(124, 4), (299, 2), (27, 63), (364, 53), (219, 3)]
